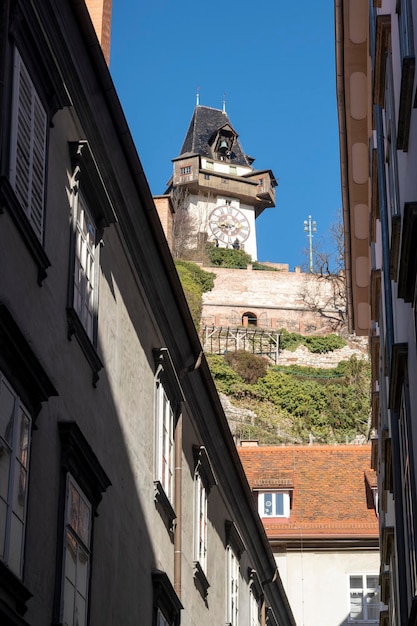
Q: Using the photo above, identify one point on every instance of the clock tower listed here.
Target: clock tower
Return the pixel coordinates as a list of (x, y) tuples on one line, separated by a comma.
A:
[(216, 183)]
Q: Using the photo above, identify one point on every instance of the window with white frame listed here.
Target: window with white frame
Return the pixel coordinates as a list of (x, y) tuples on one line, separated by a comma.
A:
[(232, 587), (274, 504), (254, 608), (168, 399), (234, 549), (200, 512), (15, 431), (92, 212), (391, 139), (85, 271), (79, 502), (164, 441), (24, 387), (28, 146), (364, 598), (204, 480), (76, 556)]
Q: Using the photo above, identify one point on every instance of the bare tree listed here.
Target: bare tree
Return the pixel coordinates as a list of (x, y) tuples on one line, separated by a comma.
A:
[(183, 228), (190, 226), (324, 291)]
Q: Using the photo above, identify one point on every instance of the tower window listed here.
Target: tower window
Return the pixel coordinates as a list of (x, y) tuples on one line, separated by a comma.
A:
[(185, 170)]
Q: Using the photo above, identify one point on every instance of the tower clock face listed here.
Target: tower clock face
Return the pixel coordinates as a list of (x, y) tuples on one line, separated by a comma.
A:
[(228, 224)]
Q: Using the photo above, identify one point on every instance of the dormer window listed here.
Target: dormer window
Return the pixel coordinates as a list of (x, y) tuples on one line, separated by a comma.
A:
[(274, 504)]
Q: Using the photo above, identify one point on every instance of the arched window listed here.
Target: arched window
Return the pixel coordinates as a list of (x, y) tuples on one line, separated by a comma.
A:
[(249, 319)]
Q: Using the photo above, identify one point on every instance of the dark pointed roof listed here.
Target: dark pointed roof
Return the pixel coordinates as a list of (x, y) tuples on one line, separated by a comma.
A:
[(205, 123)]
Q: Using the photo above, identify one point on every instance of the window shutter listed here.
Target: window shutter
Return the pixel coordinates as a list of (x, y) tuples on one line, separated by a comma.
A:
[(27, 162)]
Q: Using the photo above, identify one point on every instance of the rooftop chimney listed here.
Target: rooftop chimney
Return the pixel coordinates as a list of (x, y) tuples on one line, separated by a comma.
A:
[(100, 13)]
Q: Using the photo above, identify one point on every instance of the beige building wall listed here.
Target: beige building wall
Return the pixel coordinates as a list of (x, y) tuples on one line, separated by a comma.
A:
[(165, 210), (100, 13), (279, 299), (317, 583)]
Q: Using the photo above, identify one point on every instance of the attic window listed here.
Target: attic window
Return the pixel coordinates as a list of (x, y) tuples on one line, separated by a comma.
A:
[(274, 504), (185, 170)]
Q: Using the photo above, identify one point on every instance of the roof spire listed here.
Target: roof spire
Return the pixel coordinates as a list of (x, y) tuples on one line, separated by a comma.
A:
[(197, 96), (224, 103)]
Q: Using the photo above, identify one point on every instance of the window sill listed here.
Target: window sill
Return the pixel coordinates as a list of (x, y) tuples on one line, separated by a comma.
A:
[(200, 579), (76, 328), (164, 506), (9, 200), (14, 598)]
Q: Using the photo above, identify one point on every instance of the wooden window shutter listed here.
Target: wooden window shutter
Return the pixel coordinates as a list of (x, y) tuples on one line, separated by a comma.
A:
[(27, 171)]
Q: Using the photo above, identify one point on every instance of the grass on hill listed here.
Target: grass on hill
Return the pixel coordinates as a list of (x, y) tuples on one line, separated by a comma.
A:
[(294, 403)]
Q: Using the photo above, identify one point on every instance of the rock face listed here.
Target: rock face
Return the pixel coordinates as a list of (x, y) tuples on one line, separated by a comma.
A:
[(303, 357)]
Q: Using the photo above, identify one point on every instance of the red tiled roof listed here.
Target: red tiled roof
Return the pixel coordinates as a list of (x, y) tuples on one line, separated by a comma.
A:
[(331, 489)]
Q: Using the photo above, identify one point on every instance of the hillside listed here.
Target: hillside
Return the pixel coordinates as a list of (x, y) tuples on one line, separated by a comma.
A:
[(319, 390), (293, 403)]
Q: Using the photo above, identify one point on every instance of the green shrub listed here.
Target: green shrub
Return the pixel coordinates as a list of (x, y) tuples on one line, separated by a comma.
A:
[(293, 402), (249, 366), (228, 257), (289, 341), (195, 281), (314, 343), (326, 343), (263, 267), (226, 379), (205, 280)]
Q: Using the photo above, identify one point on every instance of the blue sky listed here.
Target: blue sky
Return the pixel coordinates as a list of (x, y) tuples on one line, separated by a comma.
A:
[(274, 61)]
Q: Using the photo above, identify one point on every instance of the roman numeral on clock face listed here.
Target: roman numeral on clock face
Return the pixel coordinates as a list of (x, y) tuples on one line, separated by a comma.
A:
[(228, 223)]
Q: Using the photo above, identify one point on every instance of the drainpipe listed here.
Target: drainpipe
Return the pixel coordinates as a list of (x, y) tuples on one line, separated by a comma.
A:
[(177, 505), (263, 611)]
